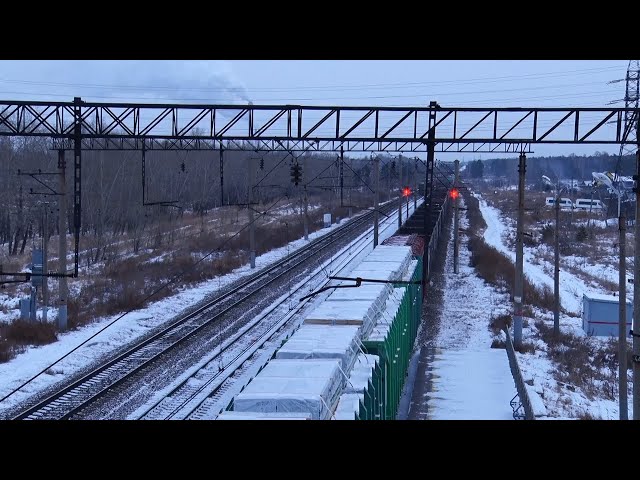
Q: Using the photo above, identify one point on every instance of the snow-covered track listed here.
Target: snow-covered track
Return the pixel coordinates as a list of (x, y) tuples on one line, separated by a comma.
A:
[(206, 391), (81, 393)]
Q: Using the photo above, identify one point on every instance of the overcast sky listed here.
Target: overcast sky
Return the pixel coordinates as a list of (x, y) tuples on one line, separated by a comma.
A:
[(475, 83)]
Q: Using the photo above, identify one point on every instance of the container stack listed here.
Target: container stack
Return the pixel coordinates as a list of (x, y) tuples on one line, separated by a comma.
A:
[(309, 387), (322, 342), (232, 415), (349, 358)]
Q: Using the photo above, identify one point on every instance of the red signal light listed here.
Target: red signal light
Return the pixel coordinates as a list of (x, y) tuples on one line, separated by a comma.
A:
[(454, 193), (406, 191)]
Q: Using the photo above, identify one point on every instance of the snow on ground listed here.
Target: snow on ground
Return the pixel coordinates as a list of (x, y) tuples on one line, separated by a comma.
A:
[(9, 308), (131, 326), (607, 270), (561, 401), (538, 271), (294, 209), (471, 385), (470, 379), (596, 223)]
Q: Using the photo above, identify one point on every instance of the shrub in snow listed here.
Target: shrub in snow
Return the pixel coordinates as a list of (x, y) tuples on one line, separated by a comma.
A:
[(547, 233), (582, 234)]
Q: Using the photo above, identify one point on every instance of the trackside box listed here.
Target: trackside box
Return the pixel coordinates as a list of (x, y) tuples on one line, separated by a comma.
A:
[(600, 315)]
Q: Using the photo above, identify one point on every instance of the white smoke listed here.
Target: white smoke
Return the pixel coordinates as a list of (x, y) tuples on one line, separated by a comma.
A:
[(155, 81)]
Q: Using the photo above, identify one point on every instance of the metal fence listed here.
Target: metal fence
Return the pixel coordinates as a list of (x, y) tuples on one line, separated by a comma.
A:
[(523, 395), (436, 232)]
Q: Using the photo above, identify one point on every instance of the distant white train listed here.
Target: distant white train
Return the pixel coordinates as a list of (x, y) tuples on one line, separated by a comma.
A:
[(580, 204)]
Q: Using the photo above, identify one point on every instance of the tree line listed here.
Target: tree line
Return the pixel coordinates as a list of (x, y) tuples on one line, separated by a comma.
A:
[(185, 181), (577, 167)]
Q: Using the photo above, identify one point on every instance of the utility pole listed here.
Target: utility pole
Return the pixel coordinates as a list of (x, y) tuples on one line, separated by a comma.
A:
[(556, 269), (590, 209), (221, 176), (352, 185), (622, 319), (456, 219), (306, 199), (631, 127), (376, 176), (389, 172), (619, 202), (517, 291), (341, 176), (63, 290), (428, 192), (45, 258), (252, 226), (406, 217), (400, 191), (636, 298), (415, 187)]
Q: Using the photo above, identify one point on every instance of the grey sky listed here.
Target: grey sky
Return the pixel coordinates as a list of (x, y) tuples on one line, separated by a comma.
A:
[(474, 83)]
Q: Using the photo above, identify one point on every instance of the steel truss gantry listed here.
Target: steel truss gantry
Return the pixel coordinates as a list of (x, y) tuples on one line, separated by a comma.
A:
[(79, 126)]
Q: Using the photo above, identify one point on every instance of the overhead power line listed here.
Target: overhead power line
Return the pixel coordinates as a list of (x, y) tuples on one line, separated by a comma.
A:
[(479, 80)]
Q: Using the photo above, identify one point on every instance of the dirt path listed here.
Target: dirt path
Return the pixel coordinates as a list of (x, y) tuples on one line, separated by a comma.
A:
[(412, 404)]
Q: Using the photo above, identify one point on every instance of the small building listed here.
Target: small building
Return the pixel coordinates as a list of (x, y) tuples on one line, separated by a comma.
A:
[(600, 315)]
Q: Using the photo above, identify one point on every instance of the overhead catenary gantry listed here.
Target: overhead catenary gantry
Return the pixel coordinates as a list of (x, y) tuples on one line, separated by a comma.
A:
[(121, 126), (80, 125)]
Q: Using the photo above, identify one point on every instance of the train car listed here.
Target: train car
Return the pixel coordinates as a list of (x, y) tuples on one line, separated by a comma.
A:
[(349, 357)]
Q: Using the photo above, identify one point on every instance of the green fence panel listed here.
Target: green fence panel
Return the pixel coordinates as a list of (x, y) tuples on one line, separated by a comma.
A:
[(394, 352)]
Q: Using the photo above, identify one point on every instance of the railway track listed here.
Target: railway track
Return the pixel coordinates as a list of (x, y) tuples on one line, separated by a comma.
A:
[(83, 392), (202, 394)]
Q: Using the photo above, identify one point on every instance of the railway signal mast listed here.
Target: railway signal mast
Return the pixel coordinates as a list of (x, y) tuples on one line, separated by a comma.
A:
[(455, 195), (296, 174)]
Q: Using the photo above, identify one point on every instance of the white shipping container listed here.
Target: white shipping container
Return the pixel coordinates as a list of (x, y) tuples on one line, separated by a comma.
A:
[(231, 415), (362, 313), (348, 406), (322, 342), (303, 386)]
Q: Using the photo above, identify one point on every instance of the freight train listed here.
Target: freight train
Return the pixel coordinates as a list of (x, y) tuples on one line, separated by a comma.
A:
[(349, 357)]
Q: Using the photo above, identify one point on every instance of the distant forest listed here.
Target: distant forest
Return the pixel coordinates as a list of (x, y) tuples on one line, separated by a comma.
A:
[(563, 167), (112, 195)]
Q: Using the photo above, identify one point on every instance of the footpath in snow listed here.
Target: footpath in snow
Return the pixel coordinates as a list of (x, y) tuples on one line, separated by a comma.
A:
[(552, 398), (571, 287), (467, 379)]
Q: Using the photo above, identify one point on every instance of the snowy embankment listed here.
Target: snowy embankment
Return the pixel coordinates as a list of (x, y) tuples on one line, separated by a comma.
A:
[(131, 326), (554, 398), (538, 270), (471, 380)]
